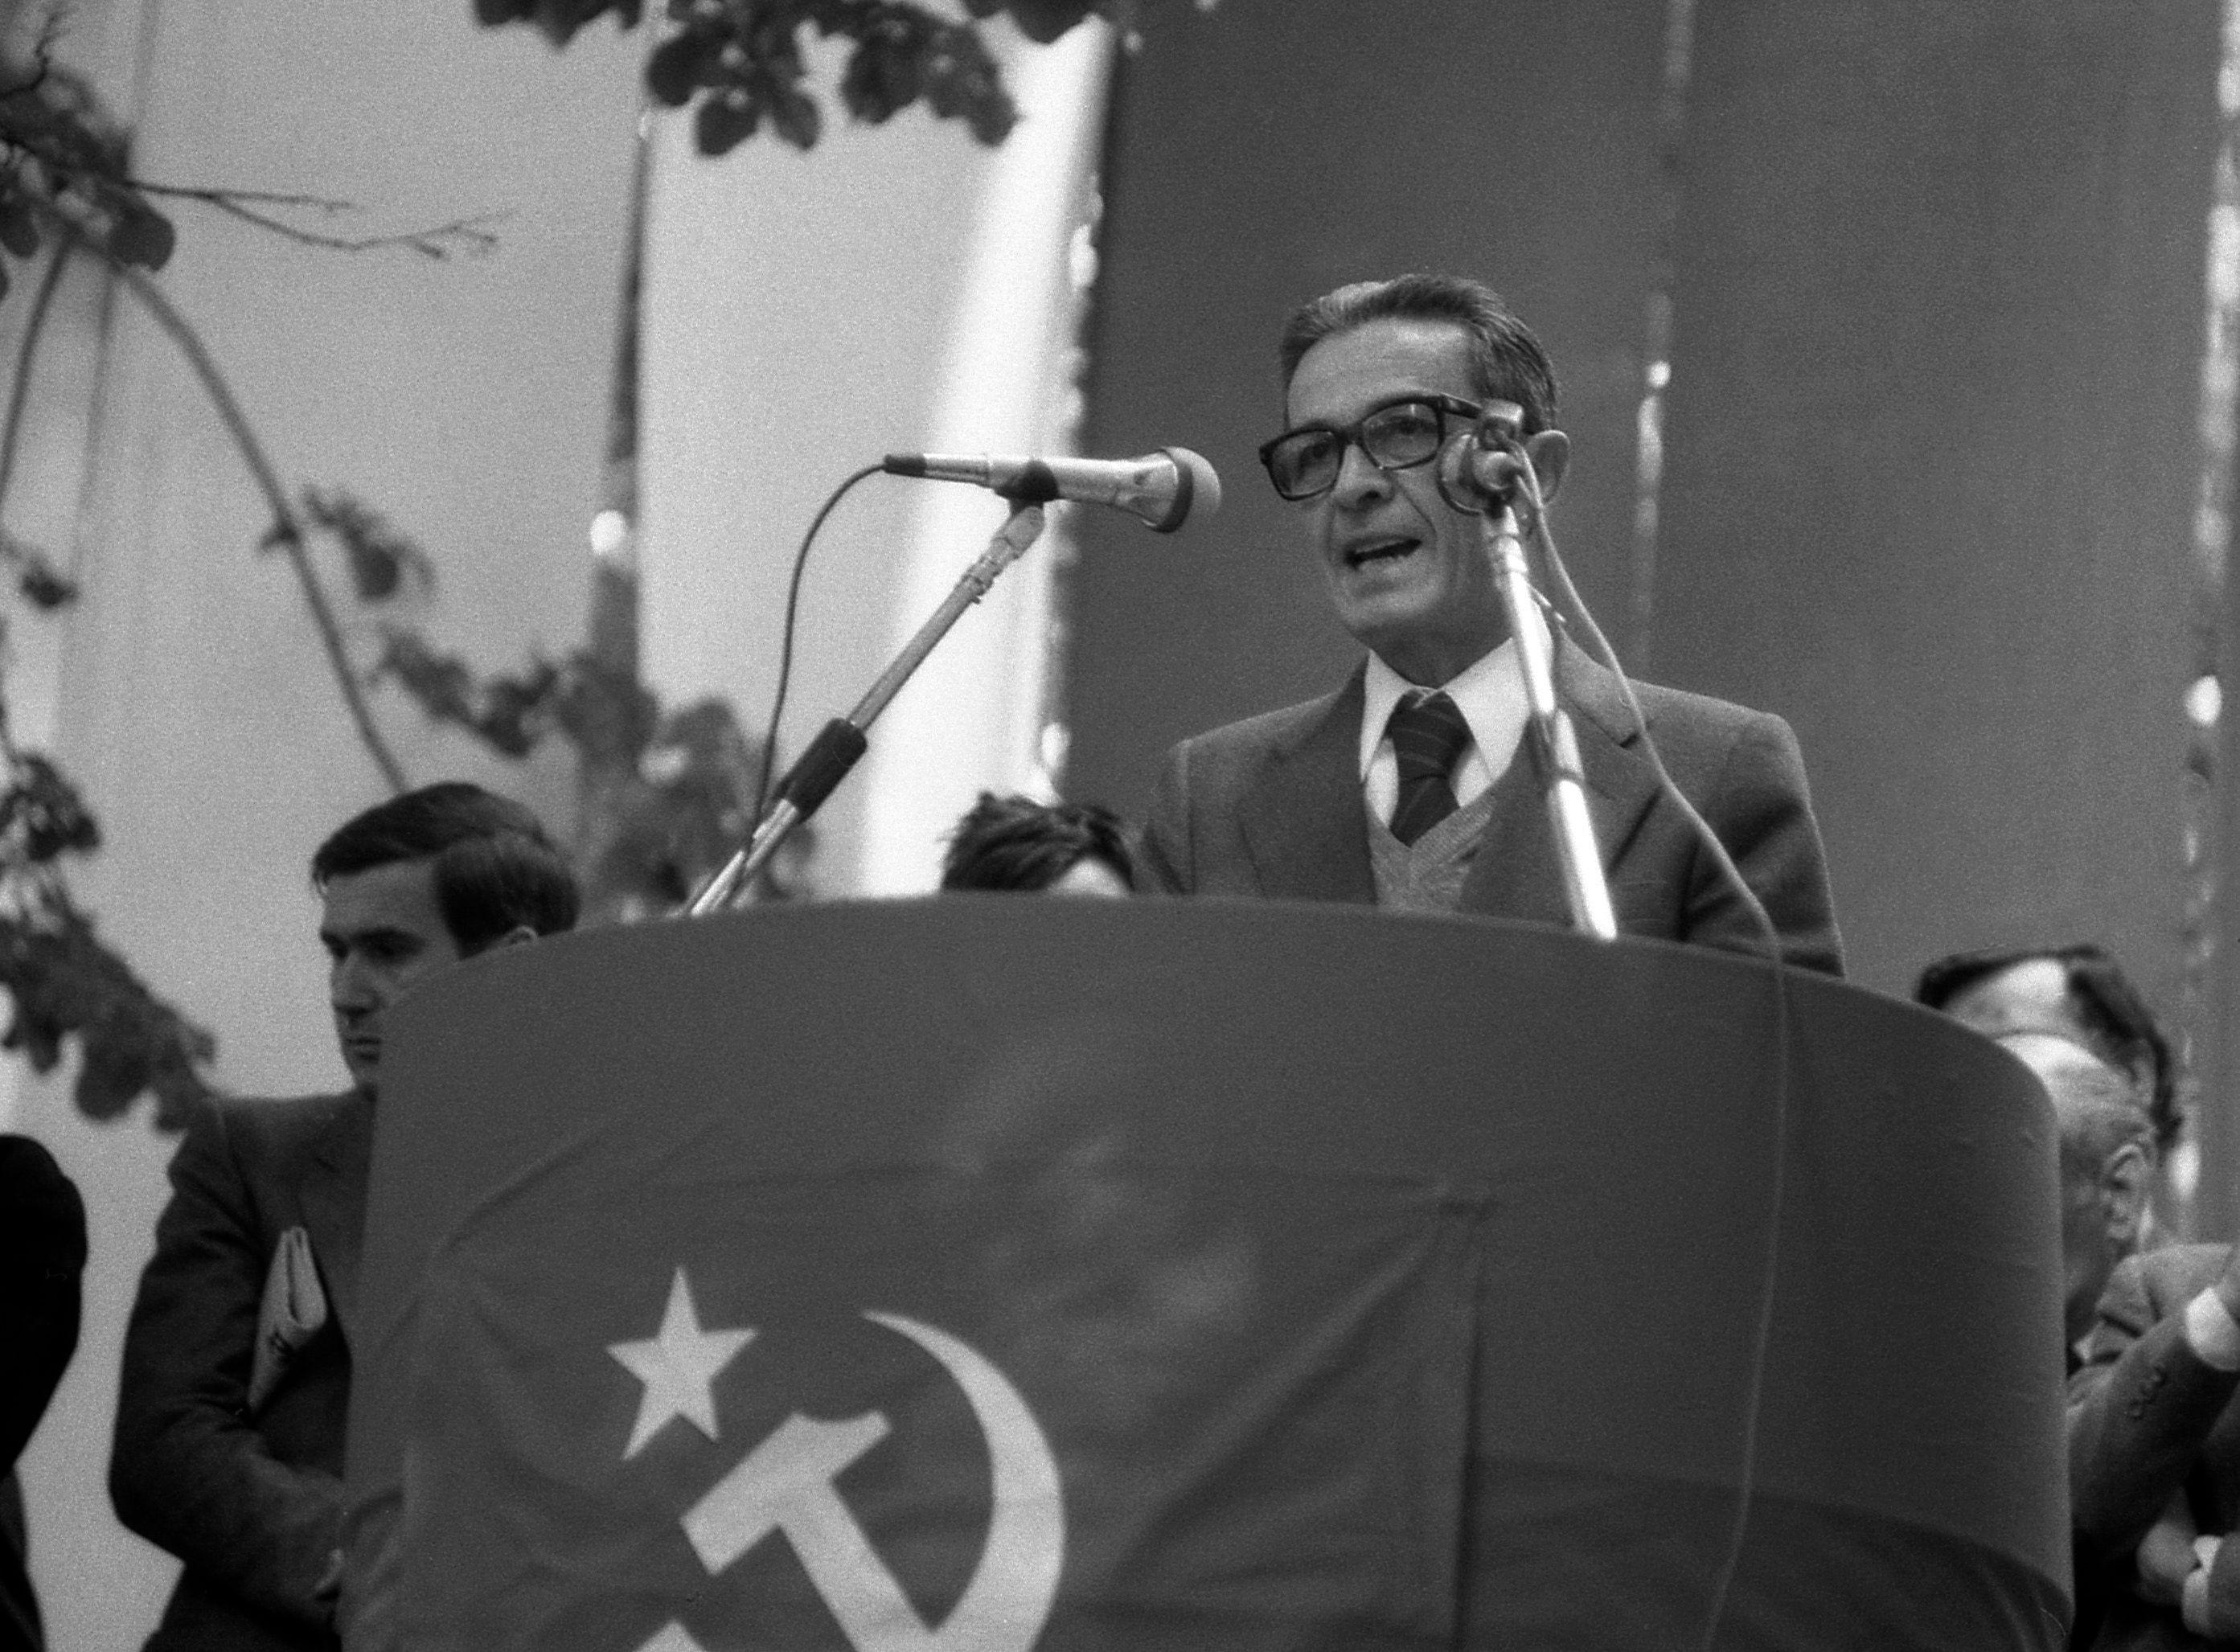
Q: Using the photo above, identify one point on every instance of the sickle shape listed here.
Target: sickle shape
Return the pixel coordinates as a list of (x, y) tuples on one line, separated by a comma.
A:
[(1005, 1605)]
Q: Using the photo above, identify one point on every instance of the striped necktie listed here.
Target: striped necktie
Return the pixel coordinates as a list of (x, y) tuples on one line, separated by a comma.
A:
[(1428, 734)]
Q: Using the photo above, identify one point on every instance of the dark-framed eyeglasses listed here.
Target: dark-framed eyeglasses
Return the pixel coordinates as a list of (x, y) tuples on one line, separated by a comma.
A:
[(1395, 436)]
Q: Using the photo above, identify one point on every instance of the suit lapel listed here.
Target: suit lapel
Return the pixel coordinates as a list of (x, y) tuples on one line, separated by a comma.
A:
[(1302, 819), (1516, 873), (1621, 784), (334, 1201)]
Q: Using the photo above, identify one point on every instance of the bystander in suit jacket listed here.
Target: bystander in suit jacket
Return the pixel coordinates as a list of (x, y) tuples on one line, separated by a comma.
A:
[(247, 1496), (2147, 1421), (42, 1258), (1272, 807)]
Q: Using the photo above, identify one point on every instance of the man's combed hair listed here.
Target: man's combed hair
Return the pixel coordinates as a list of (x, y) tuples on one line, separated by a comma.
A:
[(1506, 360), (495, 870), (1017, 843), (2118, 1023)]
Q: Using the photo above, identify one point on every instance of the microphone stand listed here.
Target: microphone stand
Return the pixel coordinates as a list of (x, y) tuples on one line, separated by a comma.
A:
[(842, 741), (1555, 743)]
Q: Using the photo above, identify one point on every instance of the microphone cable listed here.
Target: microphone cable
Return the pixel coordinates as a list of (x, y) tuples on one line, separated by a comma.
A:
[(1762, 1332), (785, 643)]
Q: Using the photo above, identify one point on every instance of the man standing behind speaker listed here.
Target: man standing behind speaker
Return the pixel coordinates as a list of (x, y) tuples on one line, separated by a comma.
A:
[(231, 1412), (1403, 788)]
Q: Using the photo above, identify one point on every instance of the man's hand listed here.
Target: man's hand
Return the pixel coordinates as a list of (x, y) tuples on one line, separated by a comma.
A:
[(2228, 1285), (2166, 1555)]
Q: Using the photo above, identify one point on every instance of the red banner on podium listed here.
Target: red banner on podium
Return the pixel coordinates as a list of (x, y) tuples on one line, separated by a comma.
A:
[(995, 1274)]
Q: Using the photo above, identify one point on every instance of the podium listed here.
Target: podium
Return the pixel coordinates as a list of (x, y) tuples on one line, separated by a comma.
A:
[(986, 1273)]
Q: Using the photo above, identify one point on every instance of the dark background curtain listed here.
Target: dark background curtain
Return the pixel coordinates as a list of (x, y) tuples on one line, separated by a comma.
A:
[(1932, 447)]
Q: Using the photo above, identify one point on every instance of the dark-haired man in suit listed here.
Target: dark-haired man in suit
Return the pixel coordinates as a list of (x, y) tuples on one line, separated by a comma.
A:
[(1401, 788), (230, 1418)]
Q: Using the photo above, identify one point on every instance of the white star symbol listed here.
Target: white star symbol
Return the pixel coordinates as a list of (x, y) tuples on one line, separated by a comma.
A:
[(676, 1366)]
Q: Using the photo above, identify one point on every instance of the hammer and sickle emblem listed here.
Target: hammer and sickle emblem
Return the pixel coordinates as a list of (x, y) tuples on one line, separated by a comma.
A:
[(785, 1484)]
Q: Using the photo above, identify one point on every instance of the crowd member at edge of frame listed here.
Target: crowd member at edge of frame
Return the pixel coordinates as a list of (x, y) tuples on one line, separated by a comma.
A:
[(1400, 788), (2076, 1019), (2078, 992), (42, 1250)]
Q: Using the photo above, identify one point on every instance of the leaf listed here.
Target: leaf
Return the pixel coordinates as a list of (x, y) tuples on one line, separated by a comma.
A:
[(43, 586), (1043, 21), (511, 714), (884, 75), (42, 816), (142, 235), (64, 984), (441, 683), (720, 123), (609, 714), (681, 65), (382, 558), (556, 20), (795, 116), (114, 1071), (37, 578), (19, 230)]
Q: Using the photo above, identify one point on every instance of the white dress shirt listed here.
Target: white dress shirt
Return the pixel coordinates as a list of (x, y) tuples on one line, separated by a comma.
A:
[(1491, 696)]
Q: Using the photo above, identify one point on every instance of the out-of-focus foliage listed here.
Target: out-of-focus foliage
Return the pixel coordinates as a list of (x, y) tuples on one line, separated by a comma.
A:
[(676, 788), (740, 64), (689, 775), (64, 982), (58, 151), (37, 580), (382, 562)]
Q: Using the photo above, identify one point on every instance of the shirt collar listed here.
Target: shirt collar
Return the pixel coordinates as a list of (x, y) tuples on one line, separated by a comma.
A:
[(1489, 694)]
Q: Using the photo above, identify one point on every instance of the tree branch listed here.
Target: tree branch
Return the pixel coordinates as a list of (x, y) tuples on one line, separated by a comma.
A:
[(19, 392), (466, 236), (287, 531), (261, 197)]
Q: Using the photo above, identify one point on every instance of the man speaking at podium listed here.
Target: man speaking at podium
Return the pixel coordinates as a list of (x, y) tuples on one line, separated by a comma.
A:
[(1403, 788)]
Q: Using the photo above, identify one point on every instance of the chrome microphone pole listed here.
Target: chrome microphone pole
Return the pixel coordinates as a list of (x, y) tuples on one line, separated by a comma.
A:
[(842, 741), (1548, 725)]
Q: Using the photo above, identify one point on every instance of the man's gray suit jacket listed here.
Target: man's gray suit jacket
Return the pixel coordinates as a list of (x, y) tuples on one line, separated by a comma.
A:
[(1272, 808), (249, 1499), (2148, 1419)]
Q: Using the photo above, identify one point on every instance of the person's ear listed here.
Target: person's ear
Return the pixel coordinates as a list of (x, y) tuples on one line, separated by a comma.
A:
[(1551, 454), (2124, 1181)]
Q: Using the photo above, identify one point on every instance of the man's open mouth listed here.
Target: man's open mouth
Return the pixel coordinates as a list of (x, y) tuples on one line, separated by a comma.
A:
[(1380, 550)]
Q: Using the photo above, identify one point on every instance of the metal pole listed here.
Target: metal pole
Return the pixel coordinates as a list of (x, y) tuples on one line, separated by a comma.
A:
[(1555, 744), (810, 781)]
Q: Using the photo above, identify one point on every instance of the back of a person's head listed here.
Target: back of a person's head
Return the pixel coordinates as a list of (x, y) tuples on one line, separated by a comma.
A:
[(495, 868), (2112, 1016), (1017, 843)]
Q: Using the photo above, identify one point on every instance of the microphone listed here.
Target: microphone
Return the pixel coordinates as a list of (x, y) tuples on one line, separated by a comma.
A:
[(1166, 489), (1480, 468)]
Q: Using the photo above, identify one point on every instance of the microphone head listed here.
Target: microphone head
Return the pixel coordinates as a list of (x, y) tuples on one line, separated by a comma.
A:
[(1476, 479), (1197, 491)]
